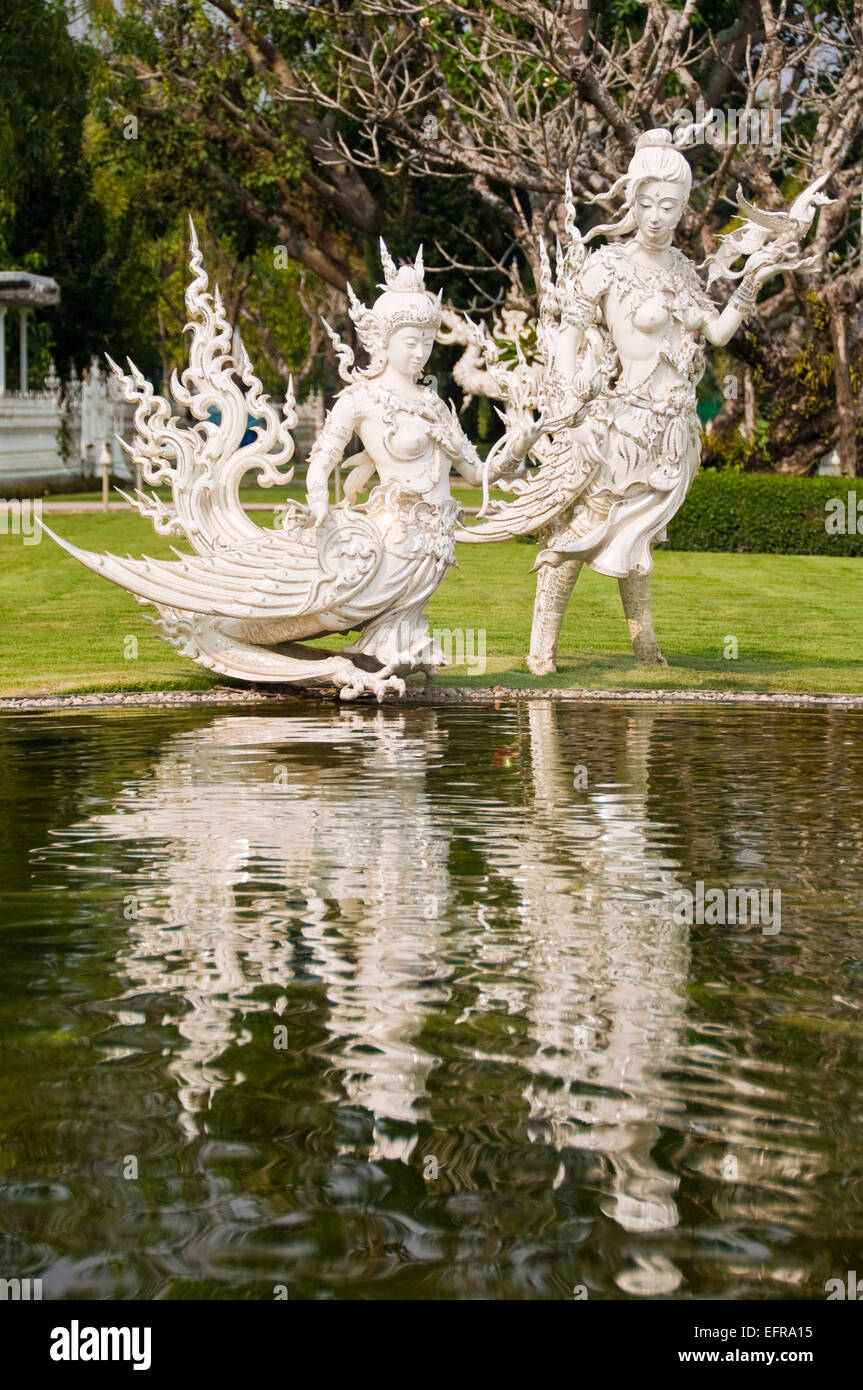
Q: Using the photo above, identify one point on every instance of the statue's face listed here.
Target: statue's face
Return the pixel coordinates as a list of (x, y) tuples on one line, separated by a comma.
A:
[(658, 209), (409, 349)]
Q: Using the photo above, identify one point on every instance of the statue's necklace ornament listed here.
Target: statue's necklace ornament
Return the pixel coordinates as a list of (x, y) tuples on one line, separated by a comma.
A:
[(245, 600), (412, 431)]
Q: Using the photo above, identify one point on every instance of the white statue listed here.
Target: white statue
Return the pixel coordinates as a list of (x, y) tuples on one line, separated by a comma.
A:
[(623, 331), (243, 603), (471, 371), (94, 412)]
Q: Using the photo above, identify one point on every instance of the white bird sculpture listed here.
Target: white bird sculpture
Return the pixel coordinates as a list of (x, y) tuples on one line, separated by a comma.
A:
[(779, 233)]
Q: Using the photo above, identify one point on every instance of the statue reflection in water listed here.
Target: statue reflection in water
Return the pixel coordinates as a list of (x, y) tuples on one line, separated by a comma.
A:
[(272, 848)]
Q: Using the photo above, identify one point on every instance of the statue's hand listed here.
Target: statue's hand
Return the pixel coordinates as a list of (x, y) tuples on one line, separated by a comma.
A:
[(524, 433), (762, 265)]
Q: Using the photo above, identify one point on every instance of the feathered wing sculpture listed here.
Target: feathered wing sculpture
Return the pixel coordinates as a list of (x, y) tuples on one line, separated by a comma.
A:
[(242, 601), (562, 473), (776, 235)]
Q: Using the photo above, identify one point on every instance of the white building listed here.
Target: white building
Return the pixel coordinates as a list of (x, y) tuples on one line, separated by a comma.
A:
[(52, 439), (29, 420)]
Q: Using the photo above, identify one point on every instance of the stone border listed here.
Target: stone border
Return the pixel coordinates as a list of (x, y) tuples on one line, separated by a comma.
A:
[(445, 695)]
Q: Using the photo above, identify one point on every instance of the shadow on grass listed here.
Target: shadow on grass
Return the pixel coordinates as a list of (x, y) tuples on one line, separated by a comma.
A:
[(694, 670)]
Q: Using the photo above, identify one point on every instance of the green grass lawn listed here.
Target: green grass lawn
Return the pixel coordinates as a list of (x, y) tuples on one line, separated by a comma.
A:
[(796, 620), (247, 494), (266, 495)]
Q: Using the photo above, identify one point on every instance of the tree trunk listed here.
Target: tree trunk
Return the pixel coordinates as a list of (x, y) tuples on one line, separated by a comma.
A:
[(748, 427), (845, 403)]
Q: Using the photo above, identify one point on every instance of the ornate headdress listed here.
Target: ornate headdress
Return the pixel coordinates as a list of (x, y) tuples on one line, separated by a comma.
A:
[(405, 302)]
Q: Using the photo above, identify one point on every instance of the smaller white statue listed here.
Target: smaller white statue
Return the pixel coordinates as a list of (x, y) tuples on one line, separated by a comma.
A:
[(244, 603)]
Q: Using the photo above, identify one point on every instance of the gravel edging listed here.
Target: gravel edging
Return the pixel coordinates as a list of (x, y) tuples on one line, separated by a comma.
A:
[(443, 695)]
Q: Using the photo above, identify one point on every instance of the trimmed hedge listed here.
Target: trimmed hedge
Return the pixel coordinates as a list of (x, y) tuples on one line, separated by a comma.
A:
[(769, 513)]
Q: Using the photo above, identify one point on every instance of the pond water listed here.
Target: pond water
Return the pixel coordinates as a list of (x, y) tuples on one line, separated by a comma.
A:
[(406, 1003)]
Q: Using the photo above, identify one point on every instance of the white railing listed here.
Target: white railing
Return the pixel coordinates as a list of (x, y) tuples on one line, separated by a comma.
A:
[(53, 435)]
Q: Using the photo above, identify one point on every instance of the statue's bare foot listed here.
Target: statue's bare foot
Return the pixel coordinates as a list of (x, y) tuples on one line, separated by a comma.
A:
[(353, 683), (390, 685), (367, 684), (541, 665)]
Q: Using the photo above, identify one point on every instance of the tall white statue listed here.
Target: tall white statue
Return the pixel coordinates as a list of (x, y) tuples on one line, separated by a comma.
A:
[(243, 603), (623, 331)]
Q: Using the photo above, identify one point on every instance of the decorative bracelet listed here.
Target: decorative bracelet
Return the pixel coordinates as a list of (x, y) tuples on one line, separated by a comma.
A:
[(326, 451), (745, 298), (506, 460)]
